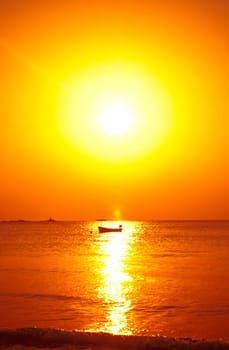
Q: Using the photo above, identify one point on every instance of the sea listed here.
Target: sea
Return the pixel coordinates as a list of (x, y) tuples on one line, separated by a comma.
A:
[(155, 285)]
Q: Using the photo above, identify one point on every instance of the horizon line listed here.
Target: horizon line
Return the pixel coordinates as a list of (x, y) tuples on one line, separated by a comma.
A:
[(50, 220)]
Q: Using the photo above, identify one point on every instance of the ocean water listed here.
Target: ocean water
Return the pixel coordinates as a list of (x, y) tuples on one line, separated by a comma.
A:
[(156, 285)]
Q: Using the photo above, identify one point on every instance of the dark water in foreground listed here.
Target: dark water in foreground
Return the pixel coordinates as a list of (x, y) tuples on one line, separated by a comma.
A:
[(155, 278)]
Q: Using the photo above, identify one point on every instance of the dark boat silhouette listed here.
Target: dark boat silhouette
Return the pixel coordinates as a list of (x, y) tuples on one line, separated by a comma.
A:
[(110, 229), (50, 220)]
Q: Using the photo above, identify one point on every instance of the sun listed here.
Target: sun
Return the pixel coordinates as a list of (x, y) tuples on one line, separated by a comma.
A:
[(114, 112), (115, 118)]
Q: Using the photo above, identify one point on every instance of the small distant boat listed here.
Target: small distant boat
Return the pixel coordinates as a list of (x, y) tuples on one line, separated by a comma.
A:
[(50, 220), (110, 229)]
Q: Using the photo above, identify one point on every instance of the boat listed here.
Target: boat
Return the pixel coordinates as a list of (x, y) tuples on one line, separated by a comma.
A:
[(110, 229), (51, 220)]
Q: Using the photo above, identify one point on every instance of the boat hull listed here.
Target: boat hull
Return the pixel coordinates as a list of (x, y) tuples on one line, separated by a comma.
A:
[(109, 229)]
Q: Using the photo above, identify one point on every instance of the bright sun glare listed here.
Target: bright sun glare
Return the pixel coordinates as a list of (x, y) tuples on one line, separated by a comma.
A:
[(115, 112), (115, 118)]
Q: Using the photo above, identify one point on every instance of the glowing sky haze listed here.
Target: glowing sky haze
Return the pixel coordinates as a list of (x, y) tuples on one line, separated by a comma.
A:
[(69, 67)]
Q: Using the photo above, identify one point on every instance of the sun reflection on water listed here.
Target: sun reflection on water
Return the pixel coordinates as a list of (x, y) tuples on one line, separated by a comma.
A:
[(116, 288)]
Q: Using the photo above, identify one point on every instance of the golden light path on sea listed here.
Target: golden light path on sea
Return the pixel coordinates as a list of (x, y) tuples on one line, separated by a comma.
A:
[(116, 286)]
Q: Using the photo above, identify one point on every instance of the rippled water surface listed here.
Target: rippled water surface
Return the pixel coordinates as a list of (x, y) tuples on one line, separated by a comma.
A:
[(169, 278)]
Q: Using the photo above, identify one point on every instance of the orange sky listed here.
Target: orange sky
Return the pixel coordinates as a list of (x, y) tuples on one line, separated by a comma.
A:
[(181, 45)]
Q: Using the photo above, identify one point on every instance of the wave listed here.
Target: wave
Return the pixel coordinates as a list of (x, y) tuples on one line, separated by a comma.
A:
[(53, 338), (43, 296)]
